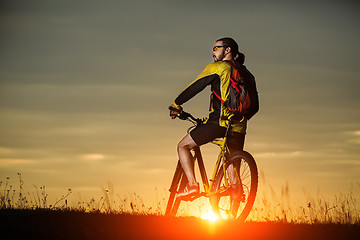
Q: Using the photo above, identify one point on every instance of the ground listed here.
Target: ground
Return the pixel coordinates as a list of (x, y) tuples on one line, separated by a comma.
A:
[(46, 224)]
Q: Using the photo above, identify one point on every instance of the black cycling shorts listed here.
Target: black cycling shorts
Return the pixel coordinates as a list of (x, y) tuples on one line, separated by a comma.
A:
[(205, 133)]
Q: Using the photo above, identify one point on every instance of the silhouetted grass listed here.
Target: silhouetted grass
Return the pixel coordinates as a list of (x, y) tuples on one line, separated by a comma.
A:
[(269, 207), (10, 198), (29, 215), (342, 208), (18, 197)]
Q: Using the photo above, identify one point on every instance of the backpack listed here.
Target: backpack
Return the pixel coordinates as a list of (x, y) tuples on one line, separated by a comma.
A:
[(243, 97)]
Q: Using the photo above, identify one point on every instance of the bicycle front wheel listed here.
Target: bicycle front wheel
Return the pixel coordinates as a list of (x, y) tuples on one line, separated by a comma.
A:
[(226, 205)]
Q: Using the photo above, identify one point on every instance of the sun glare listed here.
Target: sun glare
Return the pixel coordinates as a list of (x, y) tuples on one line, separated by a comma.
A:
[(210, 216)]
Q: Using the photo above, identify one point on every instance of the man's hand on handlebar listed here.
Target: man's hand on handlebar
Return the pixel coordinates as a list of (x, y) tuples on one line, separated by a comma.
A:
[(174, 111)]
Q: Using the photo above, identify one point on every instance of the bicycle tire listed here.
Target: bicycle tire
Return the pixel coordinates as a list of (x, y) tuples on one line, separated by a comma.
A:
[(249, 178)]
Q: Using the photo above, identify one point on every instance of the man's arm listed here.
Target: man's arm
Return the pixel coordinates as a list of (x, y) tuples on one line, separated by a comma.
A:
[(194, 88), (204, 79), (190, 91)]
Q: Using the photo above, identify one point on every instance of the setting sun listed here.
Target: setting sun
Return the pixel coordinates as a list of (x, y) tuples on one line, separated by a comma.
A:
[(210, 216), (89, 148)]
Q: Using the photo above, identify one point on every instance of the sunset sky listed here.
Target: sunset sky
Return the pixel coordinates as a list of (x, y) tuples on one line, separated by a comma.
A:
[(85, 86)]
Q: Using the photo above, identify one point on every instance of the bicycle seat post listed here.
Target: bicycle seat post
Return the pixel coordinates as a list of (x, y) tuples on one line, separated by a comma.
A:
[(228, 128)]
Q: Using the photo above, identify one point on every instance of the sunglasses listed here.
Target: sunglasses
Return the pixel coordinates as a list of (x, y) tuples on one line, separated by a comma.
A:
[(216, 48)]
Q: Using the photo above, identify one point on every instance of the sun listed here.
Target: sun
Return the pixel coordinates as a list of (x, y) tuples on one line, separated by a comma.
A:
[(210, 216)]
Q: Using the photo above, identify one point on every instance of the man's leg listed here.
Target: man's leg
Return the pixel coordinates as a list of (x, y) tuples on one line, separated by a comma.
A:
[(233, 176), (235, 143), (186, 158)]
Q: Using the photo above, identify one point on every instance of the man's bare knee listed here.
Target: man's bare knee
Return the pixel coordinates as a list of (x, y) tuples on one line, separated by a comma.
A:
[(186, 143)]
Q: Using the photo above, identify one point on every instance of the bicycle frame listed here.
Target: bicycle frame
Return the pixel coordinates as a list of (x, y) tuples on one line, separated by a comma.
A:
[(226, 190), (220, 163)]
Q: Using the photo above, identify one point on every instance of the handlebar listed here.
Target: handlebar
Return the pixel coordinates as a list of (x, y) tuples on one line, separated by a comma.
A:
[(181, 114), (186, 116)]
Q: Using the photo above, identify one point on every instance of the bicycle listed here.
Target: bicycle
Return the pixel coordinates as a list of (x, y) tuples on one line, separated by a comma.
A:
[(225, 202)]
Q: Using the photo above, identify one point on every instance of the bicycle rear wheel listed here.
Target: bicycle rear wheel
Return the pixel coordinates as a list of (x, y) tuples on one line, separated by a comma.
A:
[(226, 205)]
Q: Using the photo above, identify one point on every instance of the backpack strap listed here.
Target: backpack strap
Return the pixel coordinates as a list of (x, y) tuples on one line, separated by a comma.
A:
[(217, 95), (233, 83)]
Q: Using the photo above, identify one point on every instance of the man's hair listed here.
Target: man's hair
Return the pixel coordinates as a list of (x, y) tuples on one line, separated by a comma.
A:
[(229, 42)]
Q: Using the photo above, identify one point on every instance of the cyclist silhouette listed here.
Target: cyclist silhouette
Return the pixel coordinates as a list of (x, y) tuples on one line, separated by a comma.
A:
[(217, 75)]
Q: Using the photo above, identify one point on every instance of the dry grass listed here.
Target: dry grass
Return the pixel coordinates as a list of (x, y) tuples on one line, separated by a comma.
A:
[(13, 195), (11, 198), (269, 207), (341, 208)]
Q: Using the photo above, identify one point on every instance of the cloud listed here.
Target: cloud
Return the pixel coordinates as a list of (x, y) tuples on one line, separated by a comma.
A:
[(292, 154), (355, 133), (16, 162), (93, 157), (6, 151), (353, 136)]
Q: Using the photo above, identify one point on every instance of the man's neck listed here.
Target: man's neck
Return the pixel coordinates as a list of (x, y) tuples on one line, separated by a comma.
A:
[(228, 58)]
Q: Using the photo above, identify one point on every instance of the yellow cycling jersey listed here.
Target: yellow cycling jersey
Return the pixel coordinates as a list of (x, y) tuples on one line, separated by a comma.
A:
[(217, 75)]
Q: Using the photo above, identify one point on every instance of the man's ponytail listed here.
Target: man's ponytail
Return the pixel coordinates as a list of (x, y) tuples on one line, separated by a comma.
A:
[(240, 58)]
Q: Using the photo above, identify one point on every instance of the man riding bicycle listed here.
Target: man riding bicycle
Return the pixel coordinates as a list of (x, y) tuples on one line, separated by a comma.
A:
[(217, 75)]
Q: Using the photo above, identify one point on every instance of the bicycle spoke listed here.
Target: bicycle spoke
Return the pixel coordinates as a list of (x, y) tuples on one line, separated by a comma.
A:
[(230, 204)]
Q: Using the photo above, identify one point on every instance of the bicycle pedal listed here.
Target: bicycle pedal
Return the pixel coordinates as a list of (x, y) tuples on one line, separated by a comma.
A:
[(189, 198)]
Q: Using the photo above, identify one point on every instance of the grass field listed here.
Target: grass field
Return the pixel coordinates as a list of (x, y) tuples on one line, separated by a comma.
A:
[(51, 224), (29, 215)]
